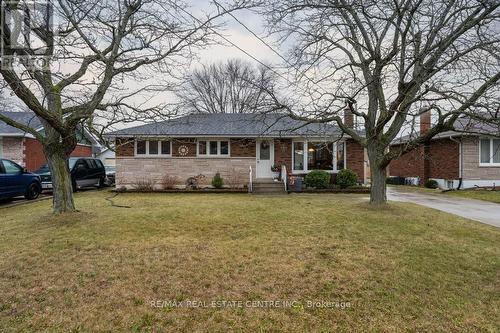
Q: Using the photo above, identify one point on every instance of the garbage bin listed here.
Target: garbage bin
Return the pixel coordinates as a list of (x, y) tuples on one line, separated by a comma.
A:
[(297, 185)]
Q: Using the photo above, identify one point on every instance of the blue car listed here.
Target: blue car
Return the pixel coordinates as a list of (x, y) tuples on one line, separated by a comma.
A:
[(16, 181)]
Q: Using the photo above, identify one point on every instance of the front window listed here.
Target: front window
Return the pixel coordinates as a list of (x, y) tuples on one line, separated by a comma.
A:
[(224, 147), (489, 152), (340, 155), (152, 148), (319, 156), (298, 156), (202, 147), (165, 147), (213, 148), (496, 150), (141, 148)]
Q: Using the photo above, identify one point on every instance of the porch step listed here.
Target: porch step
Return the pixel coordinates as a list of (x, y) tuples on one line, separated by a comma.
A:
[(265, 181), (266, 186)]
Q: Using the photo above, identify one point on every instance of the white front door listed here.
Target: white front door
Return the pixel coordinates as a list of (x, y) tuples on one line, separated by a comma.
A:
[(265, 158)]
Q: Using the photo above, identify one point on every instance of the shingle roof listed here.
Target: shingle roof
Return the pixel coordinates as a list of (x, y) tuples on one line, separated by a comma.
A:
[(231, 124), (474, 126), (25, 118), (463, 126)]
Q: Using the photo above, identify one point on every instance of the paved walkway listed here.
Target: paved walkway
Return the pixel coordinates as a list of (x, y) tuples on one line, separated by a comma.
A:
[(478, 210)]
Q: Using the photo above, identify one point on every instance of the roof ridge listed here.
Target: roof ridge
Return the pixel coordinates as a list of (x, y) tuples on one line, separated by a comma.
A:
[(231, 124)]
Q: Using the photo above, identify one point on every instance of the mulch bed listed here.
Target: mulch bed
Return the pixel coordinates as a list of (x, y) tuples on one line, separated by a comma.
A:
[(230, 190), (204, 190), (334, 190)]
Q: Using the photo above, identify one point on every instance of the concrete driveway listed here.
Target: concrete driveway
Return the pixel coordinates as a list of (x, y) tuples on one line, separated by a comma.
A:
[(477, 210)]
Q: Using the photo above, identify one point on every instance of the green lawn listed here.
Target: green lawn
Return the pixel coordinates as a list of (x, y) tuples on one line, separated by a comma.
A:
[(402, 268), (486, 195), (478, 194)]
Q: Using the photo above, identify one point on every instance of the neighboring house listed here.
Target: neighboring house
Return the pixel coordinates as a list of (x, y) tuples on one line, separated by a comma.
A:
[(232, 144), (24, 149), (107, 157), (468, 157)]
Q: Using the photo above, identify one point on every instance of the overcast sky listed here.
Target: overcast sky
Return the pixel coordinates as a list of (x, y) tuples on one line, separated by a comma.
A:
[(236, 34), (239, 36)]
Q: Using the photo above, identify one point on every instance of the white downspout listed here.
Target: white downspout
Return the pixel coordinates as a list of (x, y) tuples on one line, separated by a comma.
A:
[(460, 162)]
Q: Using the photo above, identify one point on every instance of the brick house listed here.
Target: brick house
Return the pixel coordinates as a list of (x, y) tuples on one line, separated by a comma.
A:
[(24, 149), (467, 157), (232, 144)]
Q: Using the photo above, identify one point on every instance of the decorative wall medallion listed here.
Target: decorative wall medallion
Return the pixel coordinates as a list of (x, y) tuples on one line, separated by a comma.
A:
[(183, 150)]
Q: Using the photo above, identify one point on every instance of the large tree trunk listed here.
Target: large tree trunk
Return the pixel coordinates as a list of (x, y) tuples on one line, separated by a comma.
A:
[(378, 194), (57, 160), (378, 170)]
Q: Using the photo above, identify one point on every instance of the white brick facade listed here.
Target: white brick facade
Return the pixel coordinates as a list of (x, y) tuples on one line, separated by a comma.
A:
[(129, 170), (471, 168), (13, 149)]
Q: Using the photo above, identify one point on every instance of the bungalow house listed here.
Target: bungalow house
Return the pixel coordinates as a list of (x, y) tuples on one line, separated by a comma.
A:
[(24, 149), (232, 144), (464, 158)]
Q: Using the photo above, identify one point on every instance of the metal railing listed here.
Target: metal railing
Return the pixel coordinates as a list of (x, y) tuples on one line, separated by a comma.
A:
[(284, 177), (250, 183)]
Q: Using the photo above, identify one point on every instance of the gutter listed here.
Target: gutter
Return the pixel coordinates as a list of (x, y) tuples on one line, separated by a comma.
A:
[(17, 135), (218, 136), (460, 162)]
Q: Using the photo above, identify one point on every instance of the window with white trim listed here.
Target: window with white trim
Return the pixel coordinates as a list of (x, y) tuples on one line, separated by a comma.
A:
[(489, 152), (213, 148), (152, 148), (298, 156), (318, 155), (340, 155)]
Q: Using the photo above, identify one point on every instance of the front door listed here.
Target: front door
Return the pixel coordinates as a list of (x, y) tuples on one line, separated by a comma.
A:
[(265, 158)]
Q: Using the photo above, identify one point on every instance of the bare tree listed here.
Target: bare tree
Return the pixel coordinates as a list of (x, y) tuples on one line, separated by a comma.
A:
[(97, 55), (231, 87), (389, 61)]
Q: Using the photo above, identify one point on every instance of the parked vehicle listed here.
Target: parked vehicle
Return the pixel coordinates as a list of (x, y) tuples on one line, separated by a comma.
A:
[(110, 175), (85, 172), (16, 181)]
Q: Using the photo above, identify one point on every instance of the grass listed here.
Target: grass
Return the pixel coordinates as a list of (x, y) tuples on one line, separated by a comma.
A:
[(486, 195), (100, 270), (417, 189), (477, 194)]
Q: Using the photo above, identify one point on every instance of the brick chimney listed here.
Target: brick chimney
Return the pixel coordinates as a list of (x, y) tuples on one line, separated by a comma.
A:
[(425, 122), (424, 150), (348, 117)]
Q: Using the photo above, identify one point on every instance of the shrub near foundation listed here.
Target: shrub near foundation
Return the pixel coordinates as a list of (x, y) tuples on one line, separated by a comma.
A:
[(168, 182), (346, 178), (144, 185), (217, 181), (317, 179)]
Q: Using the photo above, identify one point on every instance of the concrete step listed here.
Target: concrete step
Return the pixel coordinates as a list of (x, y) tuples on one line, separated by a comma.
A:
[(268, 192), (265, 189), (268, 185), (269, 189), (265, 181)]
